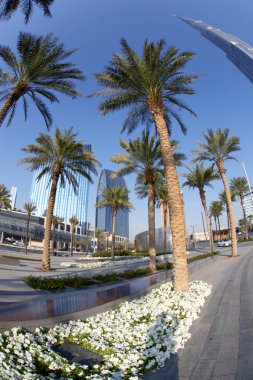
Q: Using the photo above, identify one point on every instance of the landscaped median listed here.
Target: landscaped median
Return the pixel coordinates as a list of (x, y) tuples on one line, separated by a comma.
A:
[(134, 338), (60, 283)]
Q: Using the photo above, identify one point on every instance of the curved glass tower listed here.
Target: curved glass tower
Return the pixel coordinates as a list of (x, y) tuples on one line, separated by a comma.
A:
[(67, 203), (104, 215), (237, 51)]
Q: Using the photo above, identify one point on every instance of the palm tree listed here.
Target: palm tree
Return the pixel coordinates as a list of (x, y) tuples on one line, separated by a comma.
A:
[(143, 157), (117, 199), (40, 70), (73, 222), (55, 222), (151, 84), (199, 177), (217, 148), (29, 208), (5, 201), (8, 7), (87, 237), (100, 235), (62, 157), (216, 209), (239, 187), (223, 200)]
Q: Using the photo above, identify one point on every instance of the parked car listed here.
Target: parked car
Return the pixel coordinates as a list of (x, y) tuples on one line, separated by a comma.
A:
[(18, 243), (224, 243)]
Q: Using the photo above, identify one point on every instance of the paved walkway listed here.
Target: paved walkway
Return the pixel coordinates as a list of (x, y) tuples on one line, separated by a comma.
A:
[(221, 346)]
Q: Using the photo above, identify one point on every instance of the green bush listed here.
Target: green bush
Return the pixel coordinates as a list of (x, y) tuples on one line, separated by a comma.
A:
[(108, 253), (110, 277), (135, 273), (79, 282), (50, 283)]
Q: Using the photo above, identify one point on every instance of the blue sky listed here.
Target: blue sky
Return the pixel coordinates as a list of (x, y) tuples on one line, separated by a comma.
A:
[(223, 95)]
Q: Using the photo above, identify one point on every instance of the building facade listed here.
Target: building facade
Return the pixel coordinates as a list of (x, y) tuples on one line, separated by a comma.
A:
[(248, 203), (13, 197), (67, 203), (104, 215), (237, 51)]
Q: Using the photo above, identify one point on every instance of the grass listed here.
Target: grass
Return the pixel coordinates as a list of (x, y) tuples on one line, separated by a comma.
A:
[(59, 283)]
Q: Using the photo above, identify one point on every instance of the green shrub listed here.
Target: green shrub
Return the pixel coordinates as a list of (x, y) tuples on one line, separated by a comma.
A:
[(79, 282), (135, 273), (50, 283), (110, 277)]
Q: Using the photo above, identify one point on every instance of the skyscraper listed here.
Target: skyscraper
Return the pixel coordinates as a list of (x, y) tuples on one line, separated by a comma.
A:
[(67, 203), (237, 51), (104, 215), (13, 197)]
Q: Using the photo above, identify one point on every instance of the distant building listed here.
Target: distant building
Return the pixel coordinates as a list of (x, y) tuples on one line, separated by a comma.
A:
[(67, 203), (237, 51), (104, 215), (13, 193), (248, 203)]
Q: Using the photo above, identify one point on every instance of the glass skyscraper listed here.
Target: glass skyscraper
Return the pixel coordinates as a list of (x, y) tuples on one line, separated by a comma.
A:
[(104, 215), (237, 51), (67, 203)]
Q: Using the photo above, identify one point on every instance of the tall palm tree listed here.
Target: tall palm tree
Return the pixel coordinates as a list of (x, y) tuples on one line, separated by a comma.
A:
[(29, 208), (152, 84), (38, 72), (143, 157), (62, 157), (216, 209), (116, 198), (217, 148), (223, 200), (239, 187), (55, 222), (8, 7), (100, 235), (199, 177), (73, 223), (5, 197)]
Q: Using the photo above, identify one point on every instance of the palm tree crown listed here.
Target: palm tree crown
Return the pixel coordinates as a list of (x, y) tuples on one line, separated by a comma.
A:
[(115, 197), (73, 221), (29, 208), (239, 186), (216, 209), (218, 146), (199, 177), (62, 154), (5, 201), (40, 70), (137, 81), (8, 7)]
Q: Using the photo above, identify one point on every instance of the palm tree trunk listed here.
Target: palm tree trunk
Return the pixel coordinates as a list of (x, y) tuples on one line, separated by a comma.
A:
[(49, 217), (15, 94), (216, 228), (244, 219), (203, 200), (219, 228), (164, 228), (177, 219), (26, 235), (222, 172), (52, 243), (151, 228), (72, 240), (87, 241), (113, 232), (228, 220)]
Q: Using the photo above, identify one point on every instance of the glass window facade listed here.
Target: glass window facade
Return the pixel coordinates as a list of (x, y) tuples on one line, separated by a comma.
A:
[(237, 51), (67, 203), (104, 215)]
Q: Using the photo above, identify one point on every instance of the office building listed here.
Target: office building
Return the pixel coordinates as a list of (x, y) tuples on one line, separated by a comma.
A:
[(237, 51), (104, 215), (67, 203), (13, 197)]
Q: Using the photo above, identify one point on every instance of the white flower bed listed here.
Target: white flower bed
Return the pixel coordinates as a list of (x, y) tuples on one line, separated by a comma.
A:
[(136, 337), (100, 264)]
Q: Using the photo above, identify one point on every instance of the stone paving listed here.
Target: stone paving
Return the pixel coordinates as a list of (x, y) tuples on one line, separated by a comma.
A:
[(221, 345)]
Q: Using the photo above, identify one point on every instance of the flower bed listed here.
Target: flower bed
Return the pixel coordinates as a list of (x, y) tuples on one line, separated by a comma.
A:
[(136, 337), (87, 264)]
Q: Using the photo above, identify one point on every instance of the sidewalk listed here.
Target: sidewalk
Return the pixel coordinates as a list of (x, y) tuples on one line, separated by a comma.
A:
[(221, 346)]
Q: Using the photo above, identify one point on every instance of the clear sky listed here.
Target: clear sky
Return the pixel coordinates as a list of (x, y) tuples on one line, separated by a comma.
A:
[(223, 97)]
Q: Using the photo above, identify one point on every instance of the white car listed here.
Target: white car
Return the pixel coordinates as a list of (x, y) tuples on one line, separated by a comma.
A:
[(224, 243)]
